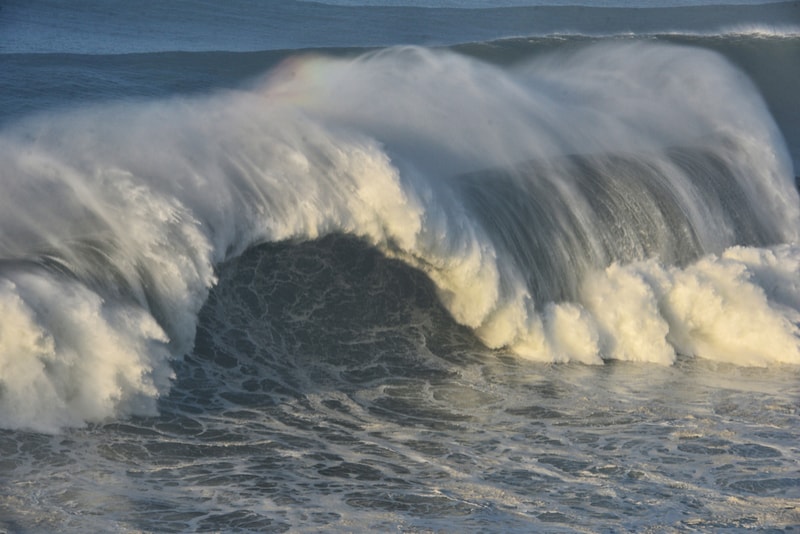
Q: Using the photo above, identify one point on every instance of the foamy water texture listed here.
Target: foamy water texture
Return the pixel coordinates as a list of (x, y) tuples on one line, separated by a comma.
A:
[(627, 201)]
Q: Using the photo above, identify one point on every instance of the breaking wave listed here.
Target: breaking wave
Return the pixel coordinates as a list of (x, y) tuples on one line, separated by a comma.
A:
[(629, 201)]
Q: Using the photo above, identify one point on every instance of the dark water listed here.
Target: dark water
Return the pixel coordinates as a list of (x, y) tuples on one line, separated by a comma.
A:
[(311, 267)]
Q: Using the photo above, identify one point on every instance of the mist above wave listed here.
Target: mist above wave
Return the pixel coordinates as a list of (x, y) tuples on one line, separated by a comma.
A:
[(583, 206)]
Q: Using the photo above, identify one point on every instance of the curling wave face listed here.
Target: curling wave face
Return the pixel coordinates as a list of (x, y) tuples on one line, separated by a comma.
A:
[(630, 201)]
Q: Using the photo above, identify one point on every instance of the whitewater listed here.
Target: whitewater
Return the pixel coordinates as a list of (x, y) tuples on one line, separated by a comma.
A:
[(531, 282)]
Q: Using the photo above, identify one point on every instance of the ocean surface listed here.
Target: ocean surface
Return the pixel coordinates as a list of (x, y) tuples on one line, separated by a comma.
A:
[(399, 266)]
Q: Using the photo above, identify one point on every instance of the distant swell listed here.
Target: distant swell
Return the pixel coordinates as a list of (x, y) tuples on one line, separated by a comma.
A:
[(629, 201), (129, 29)]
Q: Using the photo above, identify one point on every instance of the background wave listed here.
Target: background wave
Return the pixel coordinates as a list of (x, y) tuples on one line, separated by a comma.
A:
[(184, 25)]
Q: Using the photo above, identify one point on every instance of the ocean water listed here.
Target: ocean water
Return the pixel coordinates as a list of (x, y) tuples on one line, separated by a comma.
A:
[(407, 266)]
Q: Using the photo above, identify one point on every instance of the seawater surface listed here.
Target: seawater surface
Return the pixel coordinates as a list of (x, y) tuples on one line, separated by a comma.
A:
[(399, 266)]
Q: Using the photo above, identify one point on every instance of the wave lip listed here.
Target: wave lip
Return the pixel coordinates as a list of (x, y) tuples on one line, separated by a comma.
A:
[(551, 204)]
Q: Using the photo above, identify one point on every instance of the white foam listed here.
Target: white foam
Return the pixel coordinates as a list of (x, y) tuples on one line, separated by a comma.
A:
[(67, 357), (716, 308)]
